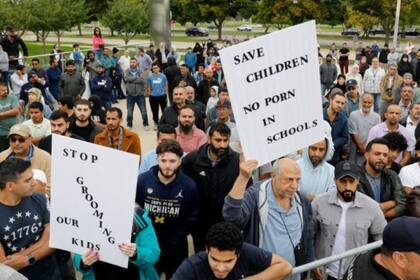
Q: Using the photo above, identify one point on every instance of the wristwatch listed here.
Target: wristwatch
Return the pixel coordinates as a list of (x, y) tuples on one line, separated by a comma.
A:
[(31, 259)]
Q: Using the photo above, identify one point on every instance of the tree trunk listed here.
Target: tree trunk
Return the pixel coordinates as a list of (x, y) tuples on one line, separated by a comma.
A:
[(58, 39), (37, 36), (266, 28), (112, 33), (79, 27)]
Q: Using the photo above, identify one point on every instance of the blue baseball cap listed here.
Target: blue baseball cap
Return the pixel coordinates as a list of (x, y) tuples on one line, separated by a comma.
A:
[(402, 235)]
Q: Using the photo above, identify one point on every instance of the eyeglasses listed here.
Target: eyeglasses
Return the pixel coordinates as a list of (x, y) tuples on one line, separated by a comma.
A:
[(13, 139), (351, 88)]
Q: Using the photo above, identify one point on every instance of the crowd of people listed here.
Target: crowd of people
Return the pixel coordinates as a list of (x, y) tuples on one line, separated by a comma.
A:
[(354, 186)]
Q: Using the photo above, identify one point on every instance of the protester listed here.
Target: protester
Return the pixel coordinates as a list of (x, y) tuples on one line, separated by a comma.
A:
[(21, 207), (389, 85), (187, 134), (77, 56), (71, 82), (352, 97), (117, 137), (18, 79), (135, 91), (228, 257), (214, 168), (9, 110), (4, 66), (10, 45), (410, 174), (328, 73), (171, 198), (203, 88), (157, 90), (398, 258), (379, 183), (39, 126), (371, 82), (397, 145), (272, 214), (317, 174), (98, 42), (359, 219), (66, 104), (60, 124), (164, 132), (82, 124), (101, 85), (54, 74)]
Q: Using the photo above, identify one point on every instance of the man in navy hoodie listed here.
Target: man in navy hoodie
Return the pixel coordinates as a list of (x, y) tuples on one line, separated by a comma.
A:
[(101, 85), (171, 198)]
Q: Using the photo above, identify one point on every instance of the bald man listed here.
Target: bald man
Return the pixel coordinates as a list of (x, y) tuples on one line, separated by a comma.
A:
[(273, 214), (391, 124)]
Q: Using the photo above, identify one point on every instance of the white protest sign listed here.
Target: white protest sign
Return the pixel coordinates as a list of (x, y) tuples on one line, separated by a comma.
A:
[(92, 198), (274, 87)]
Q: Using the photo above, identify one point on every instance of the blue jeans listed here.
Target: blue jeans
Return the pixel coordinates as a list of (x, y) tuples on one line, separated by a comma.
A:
[(5, 76), (98, 54), (141, 103), (114, 94), (376, 102)]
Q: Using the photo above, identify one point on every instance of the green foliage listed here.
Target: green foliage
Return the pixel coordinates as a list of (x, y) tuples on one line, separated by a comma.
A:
[(127, 17), (184, 11), (96, 8)]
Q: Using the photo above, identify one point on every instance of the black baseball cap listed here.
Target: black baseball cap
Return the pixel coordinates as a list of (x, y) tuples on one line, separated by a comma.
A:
[(346, 168), (402, 235), (351, 83)]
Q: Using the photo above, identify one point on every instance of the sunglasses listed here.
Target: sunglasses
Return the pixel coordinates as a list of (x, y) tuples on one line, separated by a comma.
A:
[(13, 139)]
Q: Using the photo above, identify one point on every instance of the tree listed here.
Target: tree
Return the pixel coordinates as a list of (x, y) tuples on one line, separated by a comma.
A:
[(217, 11), (127, 17), (184, 11), (383, 11), (334, 12), (361, 20)]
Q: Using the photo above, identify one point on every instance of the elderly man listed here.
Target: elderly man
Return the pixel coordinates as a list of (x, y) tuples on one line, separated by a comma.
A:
[(21, 146), (356, 215), (406, 100), (279, 221)]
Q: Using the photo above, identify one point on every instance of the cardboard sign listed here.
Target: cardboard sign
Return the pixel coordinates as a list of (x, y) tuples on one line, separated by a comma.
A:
[(274, 87), (92, 198)]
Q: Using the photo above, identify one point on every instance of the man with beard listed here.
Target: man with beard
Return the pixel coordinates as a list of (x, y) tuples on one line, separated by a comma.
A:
[(413, 118), (101, 86), (391, 124), (199, 107), (171, 198), (380, 183), (317, 173), (60, 123), (72, 82), (344, 219), (117, 137), (203, 89), (360, 122), (90, 63), (187, 134), (214, 168), (328, 74), (337, 119), (82, 125)]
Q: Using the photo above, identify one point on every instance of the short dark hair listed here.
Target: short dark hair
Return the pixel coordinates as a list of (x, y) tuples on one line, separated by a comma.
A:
[(221, 128), (222, 89), (183, 65), (20, 67), (141, 49), (67, 100), (224, 236), (169, 146), (83, 102), (57, 114), (35, 59), (335, 93), (75, 45), (201, 64), (36, 105), (187, 106), (11, 169), (380, 141), (3, 84), (115, 109), (396, 141), (155, 64), (70, 62), (417, 147), (166, 129)]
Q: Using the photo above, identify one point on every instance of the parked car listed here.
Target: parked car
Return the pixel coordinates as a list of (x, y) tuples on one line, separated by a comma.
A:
[(245, 28), (411, 32), (377, 31), (350, 32), (195, 31)]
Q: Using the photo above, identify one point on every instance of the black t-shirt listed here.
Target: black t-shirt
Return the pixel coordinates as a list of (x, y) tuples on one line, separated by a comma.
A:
[(83, 132), (344, 51), (46, 142), (21, 226), (251, 261)]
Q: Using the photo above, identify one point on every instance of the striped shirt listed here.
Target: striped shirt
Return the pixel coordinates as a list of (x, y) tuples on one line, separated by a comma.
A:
[(372, 80)]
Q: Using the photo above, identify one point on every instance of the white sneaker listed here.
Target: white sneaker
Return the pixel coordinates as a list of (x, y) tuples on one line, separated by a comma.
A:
[(147, 128)]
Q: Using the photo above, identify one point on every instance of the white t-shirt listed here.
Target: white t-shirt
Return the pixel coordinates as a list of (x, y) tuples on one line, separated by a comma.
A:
[(340, 239), (410, 175), (39, 129)]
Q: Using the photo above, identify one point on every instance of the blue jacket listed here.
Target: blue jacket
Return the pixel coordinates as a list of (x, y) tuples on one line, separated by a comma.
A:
[(250, 214), (147, 251), (190, 59), (339, 133), (102, 87)]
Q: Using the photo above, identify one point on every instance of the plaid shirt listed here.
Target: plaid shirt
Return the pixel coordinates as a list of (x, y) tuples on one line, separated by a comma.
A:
[(372, 80)]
